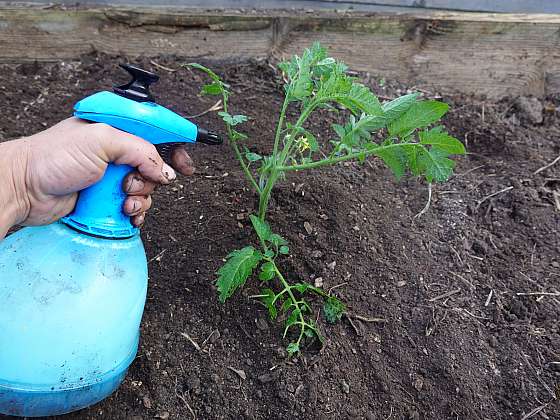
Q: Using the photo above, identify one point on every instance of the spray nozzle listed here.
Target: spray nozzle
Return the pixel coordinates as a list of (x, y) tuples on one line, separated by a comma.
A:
[(208, 137)]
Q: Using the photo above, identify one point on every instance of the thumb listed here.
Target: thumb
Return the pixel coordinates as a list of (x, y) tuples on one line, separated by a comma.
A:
[(127, 149)]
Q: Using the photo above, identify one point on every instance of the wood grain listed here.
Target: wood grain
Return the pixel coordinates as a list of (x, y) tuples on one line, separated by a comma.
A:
[(488, 54)]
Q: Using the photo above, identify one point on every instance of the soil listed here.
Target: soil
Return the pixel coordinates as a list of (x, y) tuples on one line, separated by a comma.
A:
[(464, 338)]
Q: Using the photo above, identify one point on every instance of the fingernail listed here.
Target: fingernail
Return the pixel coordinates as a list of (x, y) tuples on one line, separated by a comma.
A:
[(135, 206), (140, 219), (168, 172), (134, 185)]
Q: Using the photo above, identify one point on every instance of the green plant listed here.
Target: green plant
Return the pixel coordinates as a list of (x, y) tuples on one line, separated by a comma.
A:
[(398, 132)]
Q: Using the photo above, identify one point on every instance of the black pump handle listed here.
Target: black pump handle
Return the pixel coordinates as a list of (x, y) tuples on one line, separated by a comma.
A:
[(139, 88)]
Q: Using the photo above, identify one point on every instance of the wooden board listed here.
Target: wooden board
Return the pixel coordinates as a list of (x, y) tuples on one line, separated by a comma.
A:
[(489, 54), (503, 6)]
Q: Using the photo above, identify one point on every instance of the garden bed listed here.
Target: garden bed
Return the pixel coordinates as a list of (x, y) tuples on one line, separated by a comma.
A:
[(463, 338)]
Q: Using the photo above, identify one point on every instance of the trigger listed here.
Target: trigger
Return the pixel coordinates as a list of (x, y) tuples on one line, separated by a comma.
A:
[(166, 149)]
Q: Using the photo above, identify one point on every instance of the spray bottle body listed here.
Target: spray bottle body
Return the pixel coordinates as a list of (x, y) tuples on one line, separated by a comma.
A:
[(70, 311)]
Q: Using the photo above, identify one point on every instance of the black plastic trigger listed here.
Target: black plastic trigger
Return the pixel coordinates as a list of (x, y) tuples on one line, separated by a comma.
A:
[(139, 88)]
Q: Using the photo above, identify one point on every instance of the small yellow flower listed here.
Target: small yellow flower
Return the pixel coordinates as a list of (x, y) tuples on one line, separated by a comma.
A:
[(303, 144)]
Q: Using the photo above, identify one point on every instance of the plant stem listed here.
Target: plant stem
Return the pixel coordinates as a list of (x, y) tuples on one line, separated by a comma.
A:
[(331, 161), (287, 287), (237, 152), (281, 122)]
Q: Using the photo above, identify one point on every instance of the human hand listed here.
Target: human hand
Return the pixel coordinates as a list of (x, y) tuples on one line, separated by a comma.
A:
[(45, 171)]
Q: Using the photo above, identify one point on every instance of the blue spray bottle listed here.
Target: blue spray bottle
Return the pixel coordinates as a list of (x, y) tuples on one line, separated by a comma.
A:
[(72, 293)]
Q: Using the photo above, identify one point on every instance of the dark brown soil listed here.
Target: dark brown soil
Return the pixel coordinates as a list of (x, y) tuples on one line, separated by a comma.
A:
[(460, 342)]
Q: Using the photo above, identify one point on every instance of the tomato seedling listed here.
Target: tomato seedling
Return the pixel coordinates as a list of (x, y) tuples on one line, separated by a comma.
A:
[(401, 132)]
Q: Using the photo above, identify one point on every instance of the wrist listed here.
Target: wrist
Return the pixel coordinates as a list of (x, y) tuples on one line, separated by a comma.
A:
[(14, 202)]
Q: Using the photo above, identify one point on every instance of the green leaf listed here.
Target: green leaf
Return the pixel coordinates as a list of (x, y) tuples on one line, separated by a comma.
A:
[(293, 319), (236, 135), (269, 298), (301, 287), (253, 157), (361, 99), (232, 120), (395, 108), (214, 88), (234, 273), (262, 228), (293, 348), (267, 271), (420, 114), (437, 165), (277, 240), (284, 250), (441, 140), (395, 159), (206, 70), (334, 309)]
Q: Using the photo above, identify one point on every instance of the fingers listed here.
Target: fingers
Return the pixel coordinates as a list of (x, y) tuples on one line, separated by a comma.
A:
[(135, 205), (138, 220), (181, 161), (124, 148), (136, 184)]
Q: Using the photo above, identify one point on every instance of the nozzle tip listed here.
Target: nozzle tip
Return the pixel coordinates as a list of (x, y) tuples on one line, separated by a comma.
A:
[(208, 137)]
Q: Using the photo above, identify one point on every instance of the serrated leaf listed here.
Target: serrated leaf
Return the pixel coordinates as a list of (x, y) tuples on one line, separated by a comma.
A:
[(269, 298), (436, 164), (292, 319), (361, 99), (267, 271), (253, 157), (206, 70), (214, 88), (419, 115), (334, 309), (441, 140), (395, 108), (293, 348), (232, 120), (262, 228), (395, 159), (301, 287), (277, 240), (236, 135), (234, 273)]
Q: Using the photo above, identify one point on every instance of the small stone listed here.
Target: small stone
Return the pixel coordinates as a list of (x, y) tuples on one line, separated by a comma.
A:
[(240, 216), (414, 415), (266, 378), (316, 254), (147, 402), (418, 383), (164, 415), (241, 373), (332, 265), (530, 110), (308, 228), (262, 324), (208, 409), (319, 282), (345, 387), (401, 283), (555, 264), (370, 416)]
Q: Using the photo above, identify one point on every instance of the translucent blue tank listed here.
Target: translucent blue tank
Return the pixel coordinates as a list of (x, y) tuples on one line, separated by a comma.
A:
[(70, 311), (72, 293)]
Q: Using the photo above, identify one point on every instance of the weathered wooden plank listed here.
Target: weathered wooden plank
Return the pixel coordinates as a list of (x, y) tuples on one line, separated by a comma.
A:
[(488, 54), (502, 6)]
